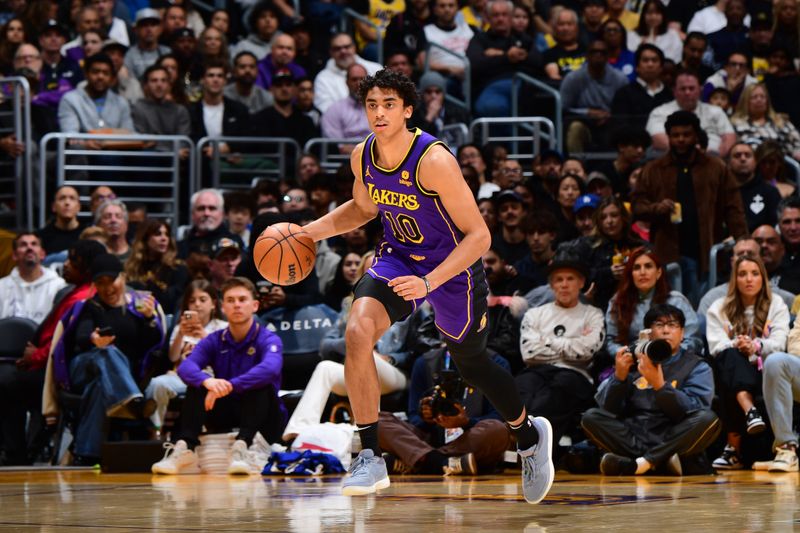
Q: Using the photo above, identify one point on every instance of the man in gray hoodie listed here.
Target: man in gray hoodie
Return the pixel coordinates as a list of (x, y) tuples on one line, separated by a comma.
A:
[(155, 114)]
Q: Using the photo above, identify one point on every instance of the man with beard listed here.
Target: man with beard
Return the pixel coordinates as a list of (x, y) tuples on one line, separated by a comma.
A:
[(29, 290), (330, 84), (771, 250), (21, 384), (509, 239), (147, 50), (631, 144), (243, 88), (155, 114), (345, 118), (283, 119), (112, 216), (225, 258), (759, 198), (208, 211), (789, 225), (687, 233)]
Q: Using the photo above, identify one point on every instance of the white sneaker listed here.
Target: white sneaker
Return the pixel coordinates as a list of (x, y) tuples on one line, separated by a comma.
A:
[(178, 459), (785, 461), (240, 460)]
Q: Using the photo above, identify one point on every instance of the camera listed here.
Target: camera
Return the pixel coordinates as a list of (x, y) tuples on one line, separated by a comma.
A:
[(658, 351), (448, 391)]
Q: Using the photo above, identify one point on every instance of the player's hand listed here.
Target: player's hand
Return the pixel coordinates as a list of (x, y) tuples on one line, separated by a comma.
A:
[(211, 398), (425, 410), (456, 421), (220, 387), (409, 287)]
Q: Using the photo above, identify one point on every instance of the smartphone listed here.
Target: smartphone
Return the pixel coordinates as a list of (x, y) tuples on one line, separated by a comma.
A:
[(107, 331), (189, 315)]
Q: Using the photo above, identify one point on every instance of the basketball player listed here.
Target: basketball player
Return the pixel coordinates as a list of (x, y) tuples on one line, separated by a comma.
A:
[(434, 237)]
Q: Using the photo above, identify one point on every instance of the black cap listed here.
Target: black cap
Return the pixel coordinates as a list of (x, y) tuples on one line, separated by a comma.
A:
[(567, 261), (224, 245), (53, 24), (106, 265), (282, 75), (507, 195), (181, 32), (762, 20), (547, 154)]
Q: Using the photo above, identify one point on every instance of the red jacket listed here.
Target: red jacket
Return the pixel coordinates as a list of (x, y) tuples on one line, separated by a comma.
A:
[(48, 327)]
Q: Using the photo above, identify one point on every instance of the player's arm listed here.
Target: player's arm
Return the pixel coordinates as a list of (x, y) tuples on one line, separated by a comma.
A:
[(439, 172), (351, 214)]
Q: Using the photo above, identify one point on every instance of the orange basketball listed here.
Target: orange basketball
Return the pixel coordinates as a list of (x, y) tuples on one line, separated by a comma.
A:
[(284, 253)]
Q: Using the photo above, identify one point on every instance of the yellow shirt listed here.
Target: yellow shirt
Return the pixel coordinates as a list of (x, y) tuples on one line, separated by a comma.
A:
[(629, 19), (473, 19), (381, 13)]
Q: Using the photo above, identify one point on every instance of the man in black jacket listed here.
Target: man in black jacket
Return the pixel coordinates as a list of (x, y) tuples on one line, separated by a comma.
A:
[(495, 55), (632, 104), (214, 115)]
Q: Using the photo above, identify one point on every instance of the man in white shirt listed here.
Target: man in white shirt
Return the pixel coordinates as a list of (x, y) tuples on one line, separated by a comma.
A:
[(558, 341), (713, 120), (711, 19), (330, 84), (451, 32), (114, 27), (29, 290)]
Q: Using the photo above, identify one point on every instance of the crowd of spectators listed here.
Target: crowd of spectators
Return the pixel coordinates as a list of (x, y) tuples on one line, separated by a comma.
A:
[(698, 108)]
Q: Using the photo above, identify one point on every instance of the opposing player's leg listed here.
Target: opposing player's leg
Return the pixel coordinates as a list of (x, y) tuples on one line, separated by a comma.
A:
[(375, 307)]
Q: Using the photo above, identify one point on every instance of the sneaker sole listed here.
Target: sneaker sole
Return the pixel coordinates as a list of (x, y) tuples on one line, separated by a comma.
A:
[(727, 467), (551, 470), (357, 490), (195, 470), (786, 469), (755, 429)]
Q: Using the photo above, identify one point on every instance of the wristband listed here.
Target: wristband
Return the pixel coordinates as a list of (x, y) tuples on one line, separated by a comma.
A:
[(427, 285)]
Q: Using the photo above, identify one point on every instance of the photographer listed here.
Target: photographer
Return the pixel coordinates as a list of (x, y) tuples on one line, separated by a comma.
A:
[(453, 430), (654, 414)]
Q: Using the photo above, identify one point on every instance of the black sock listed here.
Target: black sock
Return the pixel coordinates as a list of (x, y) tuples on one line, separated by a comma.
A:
[(526, 434), (369, 438), (432, 463)]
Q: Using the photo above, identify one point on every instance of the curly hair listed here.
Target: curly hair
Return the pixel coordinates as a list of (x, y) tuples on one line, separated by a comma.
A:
[(626, 299), (387, 79), (734, 308)]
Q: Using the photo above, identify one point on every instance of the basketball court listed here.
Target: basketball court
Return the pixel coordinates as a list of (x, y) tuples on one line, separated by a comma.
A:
[(74, 500)]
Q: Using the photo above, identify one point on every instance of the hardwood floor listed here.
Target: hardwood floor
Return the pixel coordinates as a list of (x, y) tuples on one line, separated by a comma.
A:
[(55, 501)]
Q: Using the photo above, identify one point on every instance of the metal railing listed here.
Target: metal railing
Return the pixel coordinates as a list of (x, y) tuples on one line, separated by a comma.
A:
[(455, 134), (540, 128), (243, 163), (517, 82), (713, 260), (675, 276), (327, 150), (148, 170), (795, 166), (466, 84), (348, 13), (18, 188)]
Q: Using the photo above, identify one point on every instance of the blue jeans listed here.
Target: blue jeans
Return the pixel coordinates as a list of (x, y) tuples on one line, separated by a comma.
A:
[(103, 378), (495, 100), (695, 284)]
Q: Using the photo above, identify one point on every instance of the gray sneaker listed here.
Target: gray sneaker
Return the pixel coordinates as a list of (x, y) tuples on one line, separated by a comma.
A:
[(367, 474), (538, 471)]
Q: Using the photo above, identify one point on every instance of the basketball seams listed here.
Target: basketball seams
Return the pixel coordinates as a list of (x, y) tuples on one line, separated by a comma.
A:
[(313, 251), (292, 240)]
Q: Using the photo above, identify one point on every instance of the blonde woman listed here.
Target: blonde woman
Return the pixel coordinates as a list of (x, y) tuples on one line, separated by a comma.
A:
[(755, 121), (743, 329)]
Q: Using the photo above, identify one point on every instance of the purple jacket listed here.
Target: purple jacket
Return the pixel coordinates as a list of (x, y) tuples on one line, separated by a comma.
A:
[(266, 70), (252, 363)]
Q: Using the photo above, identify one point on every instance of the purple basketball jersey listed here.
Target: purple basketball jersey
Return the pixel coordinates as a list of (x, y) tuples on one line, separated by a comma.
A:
[(418, 234)]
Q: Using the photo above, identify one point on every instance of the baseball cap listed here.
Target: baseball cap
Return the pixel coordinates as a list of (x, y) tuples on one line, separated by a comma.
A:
[(595, 176), (587, 200), (106, 265), (569, 261), (282, 75), (761, 21), (109, 44), (181, 32), (53, 24), (224, 245), (147, 13), (505, 196)]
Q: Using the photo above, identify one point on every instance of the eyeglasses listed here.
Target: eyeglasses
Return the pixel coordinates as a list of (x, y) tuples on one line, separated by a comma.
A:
[(297, 198), (737, 64), (28, 57), (674, 324)]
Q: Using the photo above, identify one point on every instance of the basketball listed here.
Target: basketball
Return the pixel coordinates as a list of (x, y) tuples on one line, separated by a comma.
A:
[(284, 253)]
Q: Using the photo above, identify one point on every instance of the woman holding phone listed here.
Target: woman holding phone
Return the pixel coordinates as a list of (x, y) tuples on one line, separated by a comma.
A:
[(199, 316)]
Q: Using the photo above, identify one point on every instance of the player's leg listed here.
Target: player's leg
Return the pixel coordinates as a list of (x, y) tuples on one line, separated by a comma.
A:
[(375, 307)]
